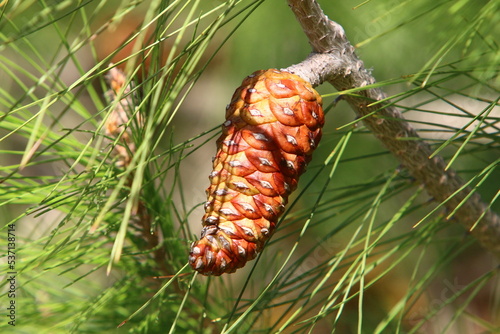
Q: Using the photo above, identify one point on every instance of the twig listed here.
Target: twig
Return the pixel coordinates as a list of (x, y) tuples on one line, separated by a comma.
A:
[(335, 61)]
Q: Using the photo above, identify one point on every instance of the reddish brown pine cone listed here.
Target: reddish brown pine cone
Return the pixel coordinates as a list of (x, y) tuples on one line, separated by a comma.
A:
[(273, 124)]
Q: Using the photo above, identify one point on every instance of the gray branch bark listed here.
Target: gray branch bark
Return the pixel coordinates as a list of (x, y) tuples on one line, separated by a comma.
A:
[(334, 60)]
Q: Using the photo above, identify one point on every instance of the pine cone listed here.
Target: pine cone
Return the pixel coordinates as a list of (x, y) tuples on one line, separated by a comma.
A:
[(119, 116), (272, 126)]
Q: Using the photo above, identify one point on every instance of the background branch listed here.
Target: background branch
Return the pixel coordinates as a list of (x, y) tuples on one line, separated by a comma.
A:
[(335, 61)]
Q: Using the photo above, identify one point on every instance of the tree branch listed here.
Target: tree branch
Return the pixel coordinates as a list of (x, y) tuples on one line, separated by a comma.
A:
[(335, 61)]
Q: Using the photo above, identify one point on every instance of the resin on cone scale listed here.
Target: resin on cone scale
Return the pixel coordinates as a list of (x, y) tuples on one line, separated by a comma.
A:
[(273, 124)]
